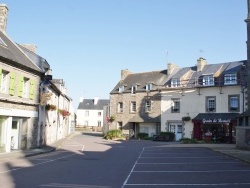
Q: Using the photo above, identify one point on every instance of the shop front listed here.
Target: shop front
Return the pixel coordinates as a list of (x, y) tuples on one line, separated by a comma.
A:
[(215, 127)]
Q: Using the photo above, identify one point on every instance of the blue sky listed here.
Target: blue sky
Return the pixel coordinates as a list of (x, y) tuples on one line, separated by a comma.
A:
[(88, 42)]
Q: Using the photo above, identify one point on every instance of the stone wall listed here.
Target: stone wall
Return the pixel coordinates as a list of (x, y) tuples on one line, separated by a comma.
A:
[(243, 137)]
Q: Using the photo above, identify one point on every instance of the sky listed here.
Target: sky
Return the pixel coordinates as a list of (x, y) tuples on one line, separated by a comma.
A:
[(88, 42)]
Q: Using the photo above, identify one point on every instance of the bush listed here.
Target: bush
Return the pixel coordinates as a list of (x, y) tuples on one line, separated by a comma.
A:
[(142, 136), (169, 136), (187, 141), (114, 134)]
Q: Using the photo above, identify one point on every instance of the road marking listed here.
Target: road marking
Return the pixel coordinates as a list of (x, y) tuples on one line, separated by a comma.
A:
[(132, 169), (213, 184), (187, 171), (49, 161), (186, 163)]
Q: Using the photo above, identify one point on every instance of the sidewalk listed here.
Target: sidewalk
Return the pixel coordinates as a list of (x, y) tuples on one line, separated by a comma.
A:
[(227, 149)]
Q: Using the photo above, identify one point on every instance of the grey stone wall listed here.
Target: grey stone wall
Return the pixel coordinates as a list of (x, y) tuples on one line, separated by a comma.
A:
[(243, 137)]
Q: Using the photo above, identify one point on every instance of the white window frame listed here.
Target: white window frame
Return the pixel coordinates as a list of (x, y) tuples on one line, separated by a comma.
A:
[(133, 89), (176, 105), (120, 107), (86, 113), (208, 80), (121, 89), (210, 104), (148, 106), (4, 81), (26, 84), (233, 103), (133, 106), (175, 82), (148, 87), (230, 79)]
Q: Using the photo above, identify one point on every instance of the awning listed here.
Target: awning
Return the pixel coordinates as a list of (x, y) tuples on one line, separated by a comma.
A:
[(213, 118), (144, 119)]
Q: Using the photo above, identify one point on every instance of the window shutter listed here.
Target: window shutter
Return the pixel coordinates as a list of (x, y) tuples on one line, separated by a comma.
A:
[(1, 70), (12, 83), (31, 89), (20, 87)]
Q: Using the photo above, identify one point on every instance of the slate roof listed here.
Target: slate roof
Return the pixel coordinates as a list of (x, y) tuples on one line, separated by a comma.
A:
[(156, 78), (13, 54), (88, 104)]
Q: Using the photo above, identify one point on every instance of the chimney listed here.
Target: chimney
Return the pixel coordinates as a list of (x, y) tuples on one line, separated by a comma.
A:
[(201, 62), (171, 68), (3, 17), (96, 100), (81, 99), (125, 73), (30, 47)]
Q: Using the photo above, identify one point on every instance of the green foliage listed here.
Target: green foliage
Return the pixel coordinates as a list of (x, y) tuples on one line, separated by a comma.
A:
[(169, 136), (142, 136), (188, 141), (114, 134)]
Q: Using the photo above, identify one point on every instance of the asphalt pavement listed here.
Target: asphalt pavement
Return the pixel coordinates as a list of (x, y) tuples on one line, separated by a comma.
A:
[(227, 149)]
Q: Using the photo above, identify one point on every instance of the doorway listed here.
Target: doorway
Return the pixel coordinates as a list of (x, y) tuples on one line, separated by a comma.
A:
[(176, 129), (15, 134)]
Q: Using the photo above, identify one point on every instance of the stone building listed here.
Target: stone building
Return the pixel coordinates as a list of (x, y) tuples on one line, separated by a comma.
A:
[(135, 102), (21, 73)]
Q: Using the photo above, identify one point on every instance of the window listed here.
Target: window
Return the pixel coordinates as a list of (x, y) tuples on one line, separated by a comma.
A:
[(121, 89), (175, 106), (4, 81), (25, 87), (119, 124), (120, 107), (148, 106), (208, 80), (99, 123), (86, 113), (230, 79), (86, 123), (148, 87), (99, 114), (210, 104), (175, 82), (233, 103), (133, 106), (133, 89)]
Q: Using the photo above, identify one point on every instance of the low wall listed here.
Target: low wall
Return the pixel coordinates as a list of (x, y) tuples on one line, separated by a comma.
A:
[(243, 137)]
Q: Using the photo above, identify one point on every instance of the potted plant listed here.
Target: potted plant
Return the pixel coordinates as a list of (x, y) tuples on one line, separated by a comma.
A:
[(186, 118), (50, 107)]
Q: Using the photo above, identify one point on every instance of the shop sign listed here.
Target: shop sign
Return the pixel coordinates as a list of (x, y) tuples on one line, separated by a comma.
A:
[(219, 120)]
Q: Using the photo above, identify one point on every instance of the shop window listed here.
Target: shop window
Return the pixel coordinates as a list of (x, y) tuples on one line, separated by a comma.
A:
[(175, 106), (210, 104), (233, 103)]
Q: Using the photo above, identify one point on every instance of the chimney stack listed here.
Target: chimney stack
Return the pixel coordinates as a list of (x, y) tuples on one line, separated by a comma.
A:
[(125, 73), (30, 47), (96, 100), (171, 68), (201, 62), (3, 17)]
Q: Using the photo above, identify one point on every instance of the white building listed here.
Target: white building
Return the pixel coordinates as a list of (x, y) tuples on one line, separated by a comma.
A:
[(91, 112)]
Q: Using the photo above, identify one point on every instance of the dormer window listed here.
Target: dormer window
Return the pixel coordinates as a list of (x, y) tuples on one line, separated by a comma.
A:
[(208, 80), (175, 82), (230, 79), (121, 89), (133, 89), (148, 87)]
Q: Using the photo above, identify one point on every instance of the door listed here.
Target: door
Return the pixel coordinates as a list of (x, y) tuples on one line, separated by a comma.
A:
[(15, 134), (176, 129)]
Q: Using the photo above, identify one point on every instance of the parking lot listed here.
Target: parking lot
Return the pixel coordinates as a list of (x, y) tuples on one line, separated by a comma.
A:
[(187, 167)]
